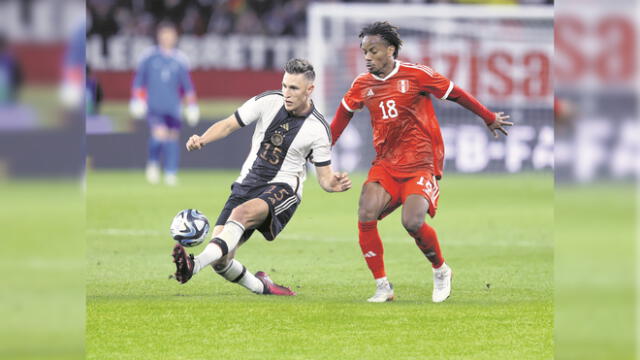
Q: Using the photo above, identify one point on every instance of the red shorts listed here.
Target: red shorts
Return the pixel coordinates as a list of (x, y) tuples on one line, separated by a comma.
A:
[(401, 185)]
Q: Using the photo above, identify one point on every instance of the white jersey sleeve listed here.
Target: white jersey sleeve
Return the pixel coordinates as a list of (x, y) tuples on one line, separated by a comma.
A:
[(254, 108)]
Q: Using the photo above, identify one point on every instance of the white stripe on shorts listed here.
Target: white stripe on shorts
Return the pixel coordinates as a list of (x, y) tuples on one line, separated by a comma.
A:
[(286, 204)]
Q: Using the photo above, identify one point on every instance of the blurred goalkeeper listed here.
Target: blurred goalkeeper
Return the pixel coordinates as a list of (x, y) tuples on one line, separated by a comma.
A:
[(289, 131), (161, 82), (409, 150)]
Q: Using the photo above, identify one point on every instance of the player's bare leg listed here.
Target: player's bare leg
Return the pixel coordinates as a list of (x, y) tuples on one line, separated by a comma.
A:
[(245, 216), (373, 200), (220, 252), (251, 213), (414, 210), (159, 135)]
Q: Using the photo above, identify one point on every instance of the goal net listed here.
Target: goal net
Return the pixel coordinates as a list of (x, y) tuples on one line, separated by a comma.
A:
[(500, 54)]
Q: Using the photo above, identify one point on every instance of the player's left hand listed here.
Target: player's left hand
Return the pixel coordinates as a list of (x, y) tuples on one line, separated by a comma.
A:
[(340, 182), (498, 124)]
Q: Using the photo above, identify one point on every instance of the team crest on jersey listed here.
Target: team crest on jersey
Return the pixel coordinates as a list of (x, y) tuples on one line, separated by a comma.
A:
[(370, 93), (277, 139), (403, 86)]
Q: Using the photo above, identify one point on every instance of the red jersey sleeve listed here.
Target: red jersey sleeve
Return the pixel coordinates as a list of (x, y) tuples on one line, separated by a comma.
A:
[(472, 104), (353, 99), (340, 121), (433, 82)]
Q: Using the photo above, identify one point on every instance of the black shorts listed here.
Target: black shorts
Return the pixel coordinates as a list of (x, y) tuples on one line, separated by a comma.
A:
[(280, 197)]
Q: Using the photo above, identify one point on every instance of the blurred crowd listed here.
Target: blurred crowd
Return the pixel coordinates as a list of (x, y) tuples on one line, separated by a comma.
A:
[(197, 17)]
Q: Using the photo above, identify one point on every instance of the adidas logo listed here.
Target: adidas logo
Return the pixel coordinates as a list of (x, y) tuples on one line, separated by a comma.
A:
[(370, 93), (370, 254), (285, 126)]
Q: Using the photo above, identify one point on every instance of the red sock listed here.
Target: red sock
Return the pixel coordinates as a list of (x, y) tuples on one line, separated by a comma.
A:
[(371, 246), (427, 241)]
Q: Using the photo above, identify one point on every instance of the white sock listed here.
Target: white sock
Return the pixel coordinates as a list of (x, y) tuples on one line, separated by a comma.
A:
[(228, 238), (237, 273), (382, 282)]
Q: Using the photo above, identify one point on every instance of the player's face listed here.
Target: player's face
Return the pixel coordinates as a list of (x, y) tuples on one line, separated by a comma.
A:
[(297, 90), (167, 37), (378, 55)]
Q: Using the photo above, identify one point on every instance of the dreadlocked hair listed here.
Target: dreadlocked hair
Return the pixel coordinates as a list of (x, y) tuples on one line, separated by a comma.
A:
[(386, 31)]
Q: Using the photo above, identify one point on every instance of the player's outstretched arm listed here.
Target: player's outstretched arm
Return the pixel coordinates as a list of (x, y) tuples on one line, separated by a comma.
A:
[(494, 121), (215, 132), (332, 181), (340, 121)]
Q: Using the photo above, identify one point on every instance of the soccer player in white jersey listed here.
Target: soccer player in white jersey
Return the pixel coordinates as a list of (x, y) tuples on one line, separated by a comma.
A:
[(289, 131)]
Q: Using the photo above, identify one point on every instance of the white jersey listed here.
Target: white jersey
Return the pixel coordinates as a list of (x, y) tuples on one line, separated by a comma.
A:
[(282, 143)]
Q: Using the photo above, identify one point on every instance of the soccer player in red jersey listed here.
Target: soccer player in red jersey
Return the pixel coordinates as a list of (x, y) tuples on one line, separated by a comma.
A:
[(409, 149)]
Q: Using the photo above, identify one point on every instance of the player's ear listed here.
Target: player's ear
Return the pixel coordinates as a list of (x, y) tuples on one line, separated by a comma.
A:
[(390, 50), (310, 88)]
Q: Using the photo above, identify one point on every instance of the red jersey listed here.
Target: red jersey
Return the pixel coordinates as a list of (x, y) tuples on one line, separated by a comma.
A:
[(406, 133)]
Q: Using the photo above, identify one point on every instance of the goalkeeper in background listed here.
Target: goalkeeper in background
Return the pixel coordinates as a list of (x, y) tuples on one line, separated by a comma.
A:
[(409, 149), (161, 82)]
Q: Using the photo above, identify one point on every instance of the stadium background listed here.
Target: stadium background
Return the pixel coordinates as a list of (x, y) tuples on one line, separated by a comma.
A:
[(237, 53), (43, 307), (236, 50)]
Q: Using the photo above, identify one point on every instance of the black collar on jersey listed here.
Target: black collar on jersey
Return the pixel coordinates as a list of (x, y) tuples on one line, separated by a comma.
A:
[(304, 116)]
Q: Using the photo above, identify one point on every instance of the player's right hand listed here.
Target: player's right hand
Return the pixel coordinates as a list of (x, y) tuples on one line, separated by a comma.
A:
[(138, 108), (194, 143)]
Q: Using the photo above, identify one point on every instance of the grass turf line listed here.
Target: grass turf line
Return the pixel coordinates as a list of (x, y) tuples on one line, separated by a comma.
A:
[(495, 231)]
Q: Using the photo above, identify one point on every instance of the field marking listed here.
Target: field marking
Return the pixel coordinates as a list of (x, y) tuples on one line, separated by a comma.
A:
[(309, 237), (48, 264), (125, 232)]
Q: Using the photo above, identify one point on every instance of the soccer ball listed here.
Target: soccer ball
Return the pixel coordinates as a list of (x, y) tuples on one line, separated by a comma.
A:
[(189, 227)]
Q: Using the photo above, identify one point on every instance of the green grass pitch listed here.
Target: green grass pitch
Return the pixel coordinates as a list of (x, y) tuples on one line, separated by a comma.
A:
[(42, 287), (496, 232)]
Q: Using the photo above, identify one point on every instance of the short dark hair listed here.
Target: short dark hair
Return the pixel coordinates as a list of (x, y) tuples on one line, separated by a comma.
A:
[(300, 66), (386, 31)]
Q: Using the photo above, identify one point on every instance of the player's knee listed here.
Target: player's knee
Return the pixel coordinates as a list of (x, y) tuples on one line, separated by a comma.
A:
[(367, 214), (247, 214), (412, 223), (241, 214), (160, 133), (173, 135)]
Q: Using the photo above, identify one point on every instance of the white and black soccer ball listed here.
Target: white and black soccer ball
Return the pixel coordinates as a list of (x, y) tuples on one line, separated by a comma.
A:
[(189, 227)]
